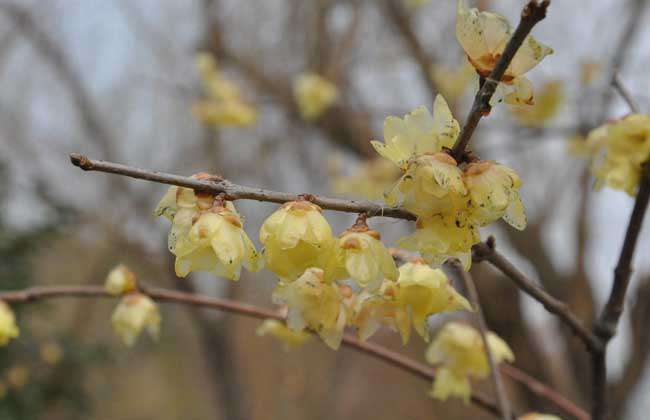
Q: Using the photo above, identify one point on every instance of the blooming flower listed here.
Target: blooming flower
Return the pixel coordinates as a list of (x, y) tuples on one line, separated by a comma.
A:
[(426, 291), (373, 310), (314, 303), (546, 106), (441, 237), (216, 242), (296, 237), (494, 192), (133, 314), (432, 184), (459, 353), (8, 328), (620, 149), (361, 256), (291, 339), (314, 95), (418, 133), (484, 36), (120, 280)]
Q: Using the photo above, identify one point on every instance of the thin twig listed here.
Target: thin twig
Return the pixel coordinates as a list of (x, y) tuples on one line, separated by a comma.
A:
[(485, 251), (495, 373), (163, 295), (239, 192), (625, 94), (533, 13)]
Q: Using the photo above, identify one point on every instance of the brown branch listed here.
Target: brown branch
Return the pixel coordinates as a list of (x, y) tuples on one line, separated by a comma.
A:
[(239, 192), (485, 251), (495, 373), (625, 94), (533, 13), (163, 295)]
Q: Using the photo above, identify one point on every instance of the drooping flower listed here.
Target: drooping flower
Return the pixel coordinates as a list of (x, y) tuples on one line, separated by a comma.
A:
[(620, 149), (361, 256), (296, 237), (373, 310), (222, 104), (432, 184), (453, 83), (370, 180), (314, 95), (494, 192), (459, 355), (484, 36), (217, 242), (539, 416), (547, 104), (418, 133), (120, 280), (442, 237), (133, 314), (426, 291), (8, 328), (290, 339), (314, 303)]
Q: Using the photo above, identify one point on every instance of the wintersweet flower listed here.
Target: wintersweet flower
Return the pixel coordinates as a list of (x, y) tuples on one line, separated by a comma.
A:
[(546, 106), (370, 180), (418, 133), (279, 330), (620, 149), (217, 242), (538, 416), (459, 355), (426, 291), (314, 95), (484, 36), (442, 237), (432, 184), (120, 280), (361, 256), (296, 237), (314, 303), (494, 193), (135, 313), (453, 83), (372, 310), (8, 328)]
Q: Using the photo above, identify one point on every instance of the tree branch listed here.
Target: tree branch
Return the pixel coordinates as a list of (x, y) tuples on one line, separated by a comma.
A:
[(533, 13), (239, 192), (485, 251)]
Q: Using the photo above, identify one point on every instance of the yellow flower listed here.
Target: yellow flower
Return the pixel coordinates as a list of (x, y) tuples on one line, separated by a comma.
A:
[(373, 310), (181, 198), (120, 280), (370, 180), (418, 133), (432, 184), (51, 353), (538, 416), (484, 36), (216, 242), (223, 104), (8, 328), (442, 237), (426, 291), (133, 314), (494, 193), (361, 256), (290, 339), (314, 95), (459, 355), (621, 148), (546, 106), (315, 304), (453, 83), (296, 237)]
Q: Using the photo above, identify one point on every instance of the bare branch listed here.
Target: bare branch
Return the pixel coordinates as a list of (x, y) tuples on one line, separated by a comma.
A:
[(625, 94), (533, 13), (485, 251), (239, 192)]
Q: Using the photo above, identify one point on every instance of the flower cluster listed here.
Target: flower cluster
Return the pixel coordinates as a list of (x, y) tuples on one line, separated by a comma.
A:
[(618, 151), (484, 36), (222, 105), (314, 95), (450, 200), (459, 354)]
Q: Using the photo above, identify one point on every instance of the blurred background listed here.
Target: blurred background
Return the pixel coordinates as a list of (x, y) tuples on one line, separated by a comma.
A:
[(116, 80)]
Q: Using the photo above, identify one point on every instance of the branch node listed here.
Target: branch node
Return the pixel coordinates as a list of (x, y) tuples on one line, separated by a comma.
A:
[(81, 161)]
